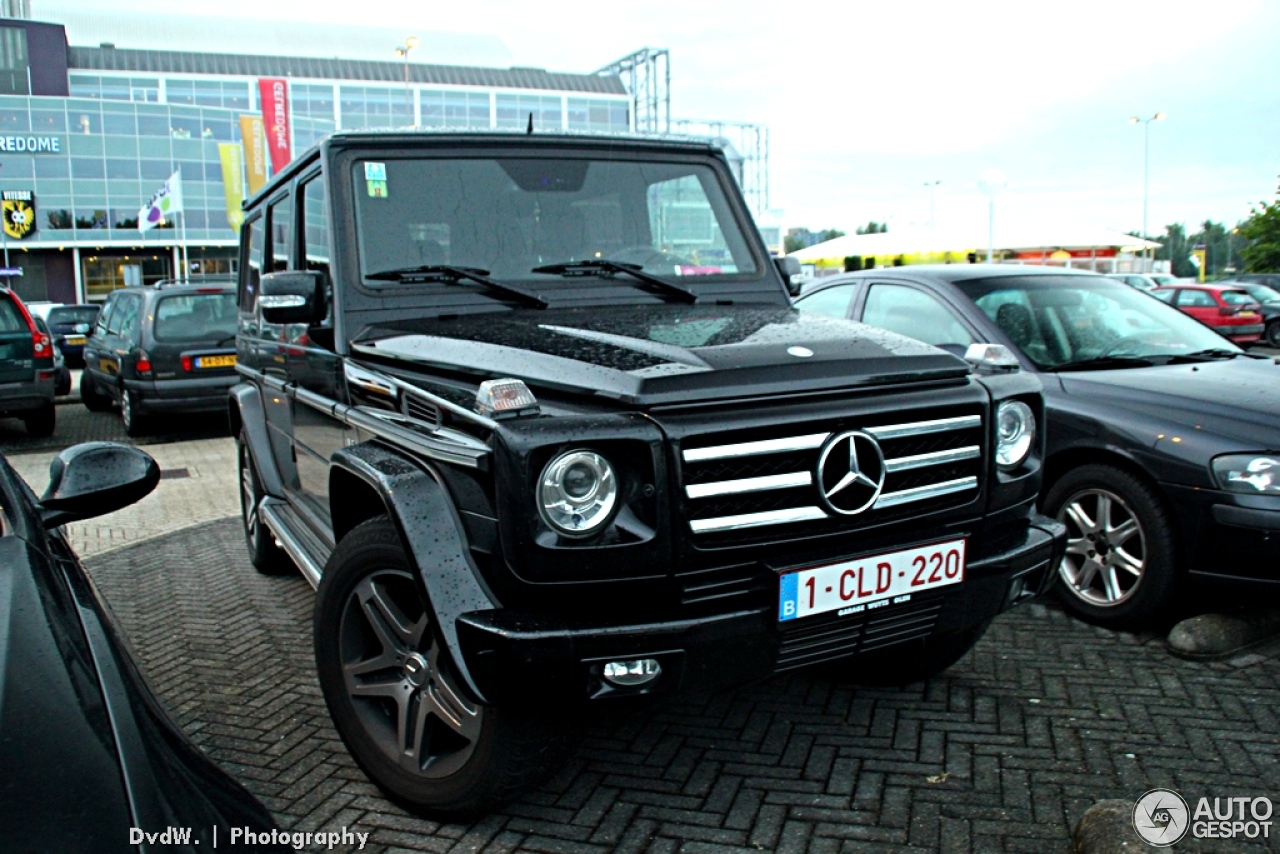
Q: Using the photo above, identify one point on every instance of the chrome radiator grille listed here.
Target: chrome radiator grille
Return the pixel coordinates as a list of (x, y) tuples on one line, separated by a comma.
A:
[(823, 476)]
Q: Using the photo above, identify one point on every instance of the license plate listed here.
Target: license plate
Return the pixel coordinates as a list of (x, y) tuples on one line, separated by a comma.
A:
[(874, 581), (215, 361), (75, 339)]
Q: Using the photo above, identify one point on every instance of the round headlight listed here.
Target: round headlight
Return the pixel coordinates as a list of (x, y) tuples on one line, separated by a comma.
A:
[(1015, 431), (577, 493)]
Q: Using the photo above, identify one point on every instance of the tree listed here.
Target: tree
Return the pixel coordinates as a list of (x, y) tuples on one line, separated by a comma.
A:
[(873, 227), (1177, 250), (1262, 253), (1216, 240), (793, 243), (830, 234)]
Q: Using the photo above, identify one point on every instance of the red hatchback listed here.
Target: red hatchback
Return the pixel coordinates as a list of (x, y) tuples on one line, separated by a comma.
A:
[(1230, 311)]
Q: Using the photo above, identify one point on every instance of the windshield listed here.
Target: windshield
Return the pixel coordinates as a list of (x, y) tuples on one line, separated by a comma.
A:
[(1263, 293), (504, 217), (73, 314), (1059, 321), (187, 317)]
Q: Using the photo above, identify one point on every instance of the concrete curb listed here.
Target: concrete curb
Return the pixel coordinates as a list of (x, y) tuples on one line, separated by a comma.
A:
[(1212, 636), (1105, 827)]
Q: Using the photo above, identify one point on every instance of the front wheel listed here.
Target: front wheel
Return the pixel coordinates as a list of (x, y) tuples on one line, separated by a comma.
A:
[(396, 697), (93, 399), (1120, 568)]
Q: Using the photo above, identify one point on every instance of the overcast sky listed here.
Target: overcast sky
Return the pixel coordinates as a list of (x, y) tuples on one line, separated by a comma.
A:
[(866, 102)]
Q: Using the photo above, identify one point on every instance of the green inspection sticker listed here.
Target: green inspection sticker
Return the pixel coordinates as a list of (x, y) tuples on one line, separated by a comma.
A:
[(377, 189)]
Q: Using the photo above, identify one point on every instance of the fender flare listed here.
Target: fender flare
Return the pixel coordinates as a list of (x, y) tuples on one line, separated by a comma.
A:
[(245, 412), (424, 514)]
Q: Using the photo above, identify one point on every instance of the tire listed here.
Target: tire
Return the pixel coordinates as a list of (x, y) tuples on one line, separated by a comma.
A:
[(1117, 572), (1271, 336), (62, 382), (135, 423), (918, 662), (381, 665), (93, 399), (42, 422), (264, 554)]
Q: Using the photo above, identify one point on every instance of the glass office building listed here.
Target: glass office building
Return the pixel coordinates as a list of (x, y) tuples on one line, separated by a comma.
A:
[(94, 133)]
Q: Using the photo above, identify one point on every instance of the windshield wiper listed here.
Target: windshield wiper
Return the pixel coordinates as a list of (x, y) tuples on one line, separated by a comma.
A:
[(1102, 363), (608, 269), (1212, 354), (452, 275)]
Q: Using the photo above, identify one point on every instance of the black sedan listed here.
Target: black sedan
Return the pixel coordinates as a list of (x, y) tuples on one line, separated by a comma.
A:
[(1163, 436), (90, 760)]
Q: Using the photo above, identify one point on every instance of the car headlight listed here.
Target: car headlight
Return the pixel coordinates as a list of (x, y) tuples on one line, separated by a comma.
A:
[(1254, 474), (1015, 433), (577, 493)]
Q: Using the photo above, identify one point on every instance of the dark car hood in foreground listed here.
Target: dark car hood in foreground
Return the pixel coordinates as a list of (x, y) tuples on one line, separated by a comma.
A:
[(649, 355), (1237, 399)]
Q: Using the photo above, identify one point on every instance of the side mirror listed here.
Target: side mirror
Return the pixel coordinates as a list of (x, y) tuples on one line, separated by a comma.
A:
[(292, 296), (791, 273), (94, 478)]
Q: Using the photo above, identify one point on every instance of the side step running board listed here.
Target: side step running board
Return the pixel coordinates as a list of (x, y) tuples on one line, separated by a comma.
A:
[(294, 537)]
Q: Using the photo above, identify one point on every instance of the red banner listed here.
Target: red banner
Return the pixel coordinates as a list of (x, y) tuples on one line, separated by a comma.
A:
[(275, 115)]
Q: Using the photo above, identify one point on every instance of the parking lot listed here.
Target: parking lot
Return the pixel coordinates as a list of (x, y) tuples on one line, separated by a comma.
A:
[(1003, 753)]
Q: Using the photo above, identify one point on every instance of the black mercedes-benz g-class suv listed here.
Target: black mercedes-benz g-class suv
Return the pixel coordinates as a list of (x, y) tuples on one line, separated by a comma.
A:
[(534, 414)]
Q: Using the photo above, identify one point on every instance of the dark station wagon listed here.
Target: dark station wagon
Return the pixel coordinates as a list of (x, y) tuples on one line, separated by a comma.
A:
[(157, 350)]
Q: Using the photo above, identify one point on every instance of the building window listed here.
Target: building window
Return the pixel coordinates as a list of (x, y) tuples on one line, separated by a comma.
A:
[(14, 76), (375, 107), (114, 87), (455, 109), (513, 110), (597, 114)]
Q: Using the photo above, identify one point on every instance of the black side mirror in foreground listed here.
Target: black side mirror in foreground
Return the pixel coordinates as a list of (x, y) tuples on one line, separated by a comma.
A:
[(94, 478)]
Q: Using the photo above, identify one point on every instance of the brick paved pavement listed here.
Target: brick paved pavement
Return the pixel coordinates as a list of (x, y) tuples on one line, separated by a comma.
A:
[(1003, 753)]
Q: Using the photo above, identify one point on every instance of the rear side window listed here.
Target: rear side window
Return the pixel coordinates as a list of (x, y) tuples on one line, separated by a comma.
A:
[(1196, 299), (192, 317), (1237, 298), (10, 318)]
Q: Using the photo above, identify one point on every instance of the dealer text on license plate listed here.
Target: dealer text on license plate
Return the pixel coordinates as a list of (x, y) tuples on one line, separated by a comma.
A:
[(215, 361), (873, 581)]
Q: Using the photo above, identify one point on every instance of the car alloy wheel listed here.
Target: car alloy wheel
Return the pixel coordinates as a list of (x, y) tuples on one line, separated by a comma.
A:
[(134, 423), (1106, 548), (1272, 334), (266, 557), (1120, 565), (407, 702), (397, 699)]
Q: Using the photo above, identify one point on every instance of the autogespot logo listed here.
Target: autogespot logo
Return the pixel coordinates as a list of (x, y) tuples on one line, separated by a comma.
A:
[(851, 473), (1161, 817)]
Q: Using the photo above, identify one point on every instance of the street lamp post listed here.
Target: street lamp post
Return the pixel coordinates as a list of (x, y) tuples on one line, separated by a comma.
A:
[(991, 182), (403, 52), (1146, 169), (933, 186)]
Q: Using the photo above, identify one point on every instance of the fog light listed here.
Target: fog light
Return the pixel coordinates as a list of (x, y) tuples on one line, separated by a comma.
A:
[(637, 671)]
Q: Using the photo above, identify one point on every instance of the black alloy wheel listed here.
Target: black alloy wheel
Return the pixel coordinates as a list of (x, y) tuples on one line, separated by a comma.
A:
[(397, 699), (266, 557), (1272, 334)]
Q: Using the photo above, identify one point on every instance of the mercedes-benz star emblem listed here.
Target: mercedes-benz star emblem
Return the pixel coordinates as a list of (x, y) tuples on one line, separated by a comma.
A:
[(850, 472)]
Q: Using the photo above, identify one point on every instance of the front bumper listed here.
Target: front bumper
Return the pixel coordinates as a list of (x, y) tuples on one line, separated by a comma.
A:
[(1229, 536), (514, 656)]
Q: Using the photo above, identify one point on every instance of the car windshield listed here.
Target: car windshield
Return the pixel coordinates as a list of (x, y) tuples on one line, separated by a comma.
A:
[(189, 317), (1263, 293), (1237, 298), (578, 218), (1065, 321), (73, 314)]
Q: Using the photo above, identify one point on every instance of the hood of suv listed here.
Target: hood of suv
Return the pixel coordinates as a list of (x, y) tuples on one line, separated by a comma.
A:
[(667, 354)]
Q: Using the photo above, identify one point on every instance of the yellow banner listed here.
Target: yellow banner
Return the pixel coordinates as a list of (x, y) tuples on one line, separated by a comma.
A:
[(232, 182), (254, 137)]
